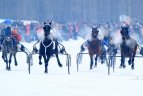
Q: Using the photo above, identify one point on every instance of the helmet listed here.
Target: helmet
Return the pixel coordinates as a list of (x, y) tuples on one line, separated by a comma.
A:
[(8, 31)]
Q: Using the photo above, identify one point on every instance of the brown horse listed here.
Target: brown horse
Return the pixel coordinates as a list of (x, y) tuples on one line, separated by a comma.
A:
[(128, 48), (95, 47)]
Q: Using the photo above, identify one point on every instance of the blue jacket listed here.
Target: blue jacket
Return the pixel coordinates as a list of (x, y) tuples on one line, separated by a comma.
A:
[(105, 41)]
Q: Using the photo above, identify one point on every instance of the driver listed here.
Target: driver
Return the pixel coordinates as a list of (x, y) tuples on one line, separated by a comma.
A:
[(15, 37)]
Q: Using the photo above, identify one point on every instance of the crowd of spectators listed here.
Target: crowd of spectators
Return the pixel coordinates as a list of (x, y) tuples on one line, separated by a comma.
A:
[(33, 30)]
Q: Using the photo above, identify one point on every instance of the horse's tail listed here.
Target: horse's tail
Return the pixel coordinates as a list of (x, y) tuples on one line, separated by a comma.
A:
[(135, 49), (84, 46), (140, 49), (136, 45), (35, 50), (61, 47)]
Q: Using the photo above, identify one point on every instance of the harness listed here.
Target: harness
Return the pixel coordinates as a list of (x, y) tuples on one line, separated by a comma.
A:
[(52, 42)]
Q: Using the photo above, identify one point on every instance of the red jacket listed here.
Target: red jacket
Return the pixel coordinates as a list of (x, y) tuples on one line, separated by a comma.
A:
[(16, 35)]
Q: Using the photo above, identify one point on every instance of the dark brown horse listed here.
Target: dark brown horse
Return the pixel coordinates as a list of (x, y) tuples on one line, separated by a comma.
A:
[(8, 50), (128, 48), (95, 47)]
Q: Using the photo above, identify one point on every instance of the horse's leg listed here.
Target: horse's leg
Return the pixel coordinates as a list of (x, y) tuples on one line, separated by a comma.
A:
[(130, 61), (6, 60), (46, 63), (96, 61), (134, 54), (132, 66), (122, 62), (91, 61), (103, 55), (102, 59), (59, 63), (40, 57), (9, 68), (3, 56), (15, 60)]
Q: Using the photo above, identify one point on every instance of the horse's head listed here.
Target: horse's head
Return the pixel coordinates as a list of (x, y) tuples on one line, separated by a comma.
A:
[(7, 39), (125, 32), (7, 35), (7, 44), (7, 31), (95, 32), (47, 28)]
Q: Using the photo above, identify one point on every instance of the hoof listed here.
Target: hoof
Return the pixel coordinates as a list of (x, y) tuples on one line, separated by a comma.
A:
[(8, 69), (45, 71), (60, 65), (124, 66), (16, 64), (129, 62), (95, 66), (120, 67), (102, 62), (90, 68), (132, 67), (40, 63)]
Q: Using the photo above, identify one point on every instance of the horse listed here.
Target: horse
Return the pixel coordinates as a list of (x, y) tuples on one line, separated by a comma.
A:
[(128, 48), (8, 48), (94, 47), (48, 47)]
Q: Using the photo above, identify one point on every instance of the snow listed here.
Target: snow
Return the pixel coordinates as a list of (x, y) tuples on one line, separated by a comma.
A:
[(85, 82), (1, 20)]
